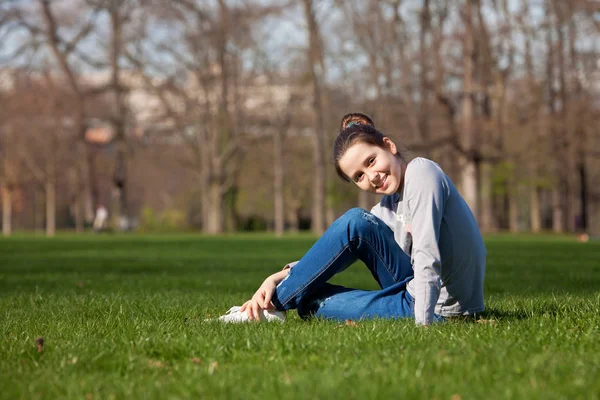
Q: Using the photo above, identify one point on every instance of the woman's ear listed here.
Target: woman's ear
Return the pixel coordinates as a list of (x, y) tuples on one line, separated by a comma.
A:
[(390, 145)]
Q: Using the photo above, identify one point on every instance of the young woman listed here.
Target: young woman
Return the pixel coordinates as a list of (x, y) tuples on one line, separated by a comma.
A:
[(421, 244)]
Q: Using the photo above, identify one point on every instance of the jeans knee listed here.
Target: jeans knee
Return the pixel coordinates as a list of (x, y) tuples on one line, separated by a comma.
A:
[(353, 213), (361, 219)]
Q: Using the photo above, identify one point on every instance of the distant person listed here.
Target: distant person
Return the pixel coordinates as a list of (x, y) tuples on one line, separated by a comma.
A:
[(421, 243), (101, 218)]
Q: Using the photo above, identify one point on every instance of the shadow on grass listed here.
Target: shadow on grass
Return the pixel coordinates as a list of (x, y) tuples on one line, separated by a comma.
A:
[(501, 315), (551, 309)]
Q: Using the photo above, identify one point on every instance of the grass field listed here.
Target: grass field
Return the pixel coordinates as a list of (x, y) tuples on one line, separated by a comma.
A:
[(123, 317)]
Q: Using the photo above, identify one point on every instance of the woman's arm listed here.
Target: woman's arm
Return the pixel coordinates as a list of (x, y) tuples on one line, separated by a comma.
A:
[(262, 297), (277, 277), (427, 192)]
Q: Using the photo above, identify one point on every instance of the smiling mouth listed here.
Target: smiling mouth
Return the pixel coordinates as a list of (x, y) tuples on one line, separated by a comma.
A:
[(383, 181)]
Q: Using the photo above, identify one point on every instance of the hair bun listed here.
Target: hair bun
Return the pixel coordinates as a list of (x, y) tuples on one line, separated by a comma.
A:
[(356, 119)]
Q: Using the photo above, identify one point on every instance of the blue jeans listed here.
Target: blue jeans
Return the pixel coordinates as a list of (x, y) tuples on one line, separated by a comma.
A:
[(356, 235)]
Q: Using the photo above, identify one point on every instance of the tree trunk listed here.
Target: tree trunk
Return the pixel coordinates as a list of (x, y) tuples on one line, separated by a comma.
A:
[(583, 196), (424, 88), (231, 217), (50, 208), (119, 192), (39, 204), (535, 209), (115, 208), (316, 74), (470, 189), (89, 153), (221, 135), (62, 57), (120, 214), (6, 210), (205, 171), (469, 185), (579, 137), (318, 199), (558, 215), (293, 218), (79, 213), (488, 222), (563, 138), (205, 201), (278, 182), (215, 212), (513, 208), (76, 194)]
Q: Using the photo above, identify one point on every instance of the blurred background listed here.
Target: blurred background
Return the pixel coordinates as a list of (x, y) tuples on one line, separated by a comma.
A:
[(220, 115)]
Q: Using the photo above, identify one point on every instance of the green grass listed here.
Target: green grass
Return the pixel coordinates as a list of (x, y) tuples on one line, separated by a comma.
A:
[(122, 317)]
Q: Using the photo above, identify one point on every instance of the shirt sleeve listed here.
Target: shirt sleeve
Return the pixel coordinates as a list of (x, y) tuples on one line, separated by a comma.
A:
[(290, 265), (376, 210), (426, 193)]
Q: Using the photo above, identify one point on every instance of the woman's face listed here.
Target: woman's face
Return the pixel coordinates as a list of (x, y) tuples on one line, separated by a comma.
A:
[(372, 168)]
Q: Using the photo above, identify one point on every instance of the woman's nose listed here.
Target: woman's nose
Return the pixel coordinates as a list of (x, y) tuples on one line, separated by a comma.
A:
[(373, 177)]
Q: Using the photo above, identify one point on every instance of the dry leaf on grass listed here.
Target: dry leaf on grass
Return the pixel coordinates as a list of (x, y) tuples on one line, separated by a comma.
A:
[(212, 367), (156, 363), (455, 397), (196, 360), (39, 344), (487, 322), (287, 379), (533, 382), (349, 322), (72, 361)]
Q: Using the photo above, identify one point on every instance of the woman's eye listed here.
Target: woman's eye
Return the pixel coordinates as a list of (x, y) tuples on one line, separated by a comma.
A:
[(358, 176), (371, 160)]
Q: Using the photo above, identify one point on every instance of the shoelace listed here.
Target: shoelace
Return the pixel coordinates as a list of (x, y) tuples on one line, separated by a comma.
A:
[(233, 309)]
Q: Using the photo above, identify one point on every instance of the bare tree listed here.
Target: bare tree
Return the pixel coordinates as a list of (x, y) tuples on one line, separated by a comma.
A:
[(119, 13), (8, 178), (470, 163), (317, 72), (63, 50), (37, 145), (281, 127), (532, 115), (40, 135), (202, 100), (505, 100), (578, 120)]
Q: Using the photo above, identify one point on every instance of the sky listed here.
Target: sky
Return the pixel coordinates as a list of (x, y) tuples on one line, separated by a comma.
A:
[(281, 38)]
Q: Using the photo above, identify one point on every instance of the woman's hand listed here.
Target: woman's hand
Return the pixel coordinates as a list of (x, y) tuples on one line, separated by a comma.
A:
[(261, 299)]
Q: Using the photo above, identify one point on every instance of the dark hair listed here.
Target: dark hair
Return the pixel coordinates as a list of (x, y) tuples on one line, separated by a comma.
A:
[(355, 128), (356, 118)]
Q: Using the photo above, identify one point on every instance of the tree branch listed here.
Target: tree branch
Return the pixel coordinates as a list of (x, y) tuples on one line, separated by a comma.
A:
[(85, 31), (36, 171), (54, 44)]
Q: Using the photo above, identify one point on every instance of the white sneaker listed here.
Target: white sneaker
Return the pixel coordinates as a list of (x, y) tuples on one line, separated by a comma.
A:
[(234, 315)]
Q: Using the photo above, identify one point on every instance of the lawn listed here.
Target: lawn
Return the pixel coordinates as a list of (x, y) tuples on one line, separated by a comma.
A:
[(123, 317)]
